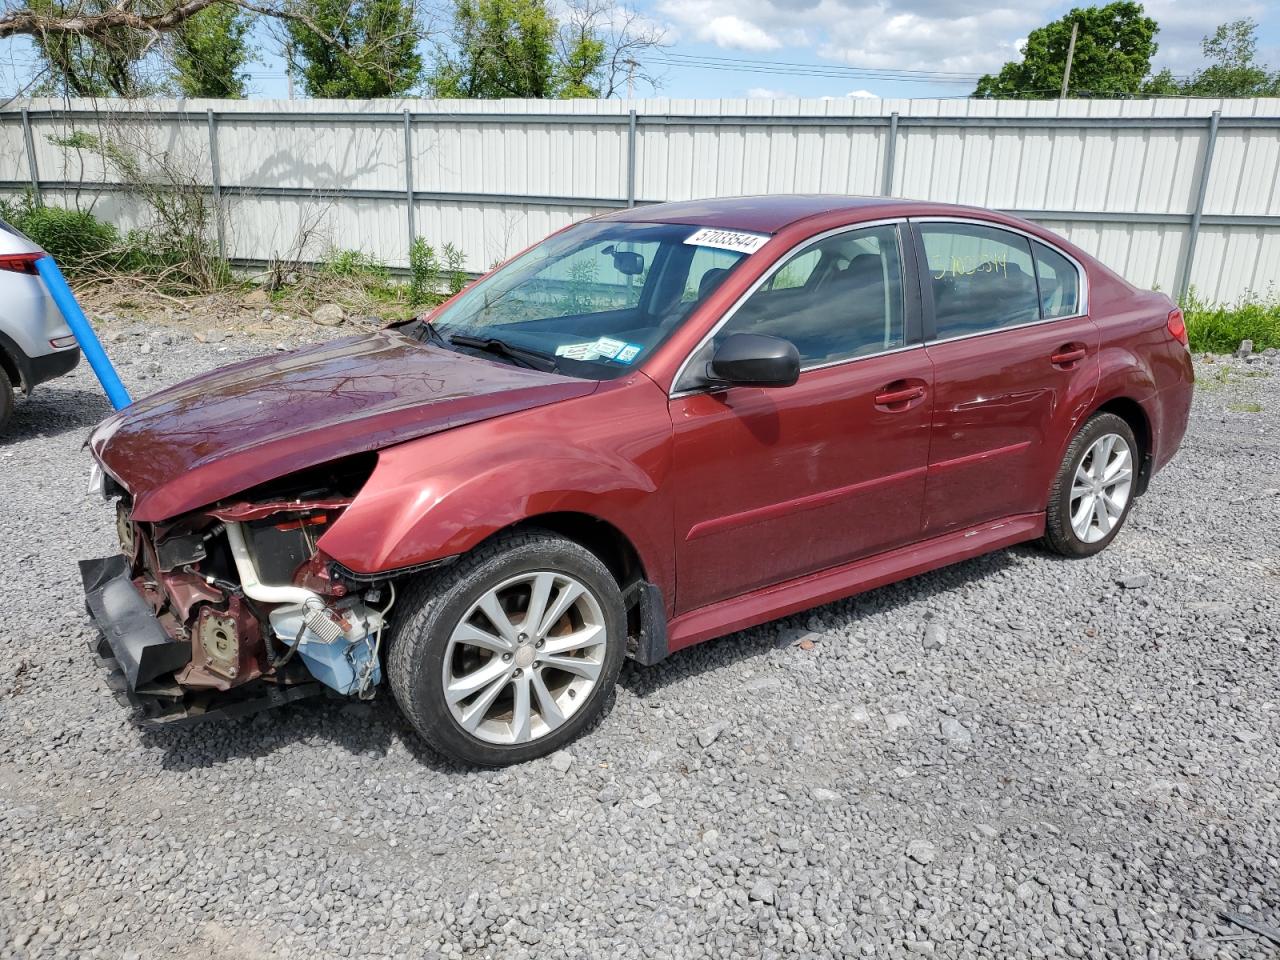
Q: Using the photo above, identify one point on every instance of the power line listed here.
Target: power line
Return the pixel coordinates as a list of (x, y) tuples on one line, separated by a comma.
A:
[(843, 68), (835, 71), (816, 71)]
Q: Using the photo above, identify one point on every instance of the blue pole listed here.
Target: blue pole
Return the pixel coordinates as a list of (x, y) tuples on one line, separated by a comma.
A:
[(79, 324)]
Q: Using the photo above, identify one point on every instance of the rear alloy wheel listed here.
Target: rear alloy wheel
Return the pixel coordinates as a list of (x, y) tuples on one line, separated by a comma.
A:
[(510, 652), (1093, 490)]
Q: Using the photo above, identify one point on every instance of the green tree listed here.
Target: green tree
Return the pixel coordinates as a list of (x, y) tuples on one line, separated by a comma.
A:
[(210, 53), (106, 64), (357, 48), (581, 57), (498, 48), (1233, 69), (1114, 47), (518, 48)]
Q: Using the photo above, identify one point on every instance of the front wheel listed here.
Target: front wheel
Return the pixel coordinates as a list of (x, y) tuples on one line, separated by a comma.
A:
[(510, 652), (1093, 490)]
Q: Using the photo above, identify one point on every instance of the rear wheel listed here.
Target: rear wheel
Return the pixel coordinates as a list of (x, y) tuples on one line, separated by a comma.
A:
[(510, 652), (6, 398), (1093, 490)]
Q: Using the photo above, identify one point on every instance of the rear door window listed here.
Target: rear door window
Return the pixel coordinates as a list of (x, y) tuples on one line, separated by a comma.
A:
[(982, 278)]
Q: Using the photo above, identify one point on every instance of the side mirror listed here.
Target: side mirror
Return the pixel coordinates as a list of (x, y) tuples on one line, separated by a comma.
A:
[(754, 360)]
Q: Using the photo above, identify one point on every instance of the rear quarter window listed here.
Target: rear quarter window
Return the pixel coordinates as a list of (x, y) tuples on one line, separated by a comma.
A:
[(1059, 283), (982, 278)]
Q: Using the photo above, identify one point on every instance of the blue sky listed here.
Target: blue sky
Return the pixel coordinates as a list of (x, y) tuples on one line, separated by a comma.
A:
[(838, 48)]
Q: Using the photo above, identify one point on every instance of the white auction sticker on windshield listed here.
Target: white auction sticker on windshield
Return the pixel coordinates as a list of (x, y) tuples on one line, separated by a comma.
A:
[(578, 351), (734, 240), (602, 348)]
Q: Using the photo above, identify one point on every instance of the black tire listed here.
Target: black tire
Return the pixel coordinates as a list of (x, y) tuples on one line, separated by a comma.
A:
[(6, 399), (1059, 535), (433, 605)]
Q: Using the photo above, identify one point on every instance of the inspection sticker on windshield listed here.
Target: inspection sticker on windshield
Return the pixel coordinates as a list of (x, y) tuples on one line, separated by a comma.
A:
[(608, 348), (734, 240)]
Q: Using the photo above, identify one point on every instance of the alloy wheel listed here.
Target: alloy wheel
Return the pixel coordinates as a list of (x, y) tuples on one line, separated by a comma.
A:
[(1101, 488), (525, 657)]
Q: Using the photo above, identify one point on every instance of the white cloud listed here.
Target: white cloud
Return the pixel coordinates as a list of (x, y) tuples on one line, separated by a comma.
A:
[(927, 35), (732, 31), (765, 93), (972, 42), (863, 95), (1184, 25), (752, 25), (885, 34)]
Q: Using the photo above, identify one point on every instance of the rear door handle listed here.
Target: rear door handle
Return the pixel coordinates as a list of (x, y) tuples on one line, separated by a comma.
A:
[(1068, 355)]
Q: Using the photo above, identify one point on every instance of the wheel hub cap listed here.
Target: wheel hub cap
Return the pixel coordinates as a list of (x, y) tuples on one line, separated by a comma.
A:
[(525, 657), (1101, 487)]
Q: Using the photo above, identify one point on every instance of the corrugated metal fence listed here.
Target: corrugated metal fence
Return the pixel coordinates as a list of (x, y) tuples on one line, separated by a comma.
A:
[(1168, 192)]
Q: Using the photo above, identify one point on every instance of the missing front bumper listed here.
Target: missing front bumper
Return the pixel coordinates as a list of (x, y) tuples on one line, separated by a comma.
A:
[(135, 637), (140, 658)]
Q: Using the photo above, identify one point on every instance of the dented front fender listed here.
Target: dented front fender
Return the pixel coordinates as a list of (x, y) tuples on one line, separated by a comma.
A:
[(442, 495)]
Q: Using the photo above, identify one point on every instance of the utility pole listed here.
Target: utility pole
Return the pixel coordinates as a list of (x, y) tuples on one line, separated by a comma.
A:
[(1071, 54), (288, 66), (631, 78)]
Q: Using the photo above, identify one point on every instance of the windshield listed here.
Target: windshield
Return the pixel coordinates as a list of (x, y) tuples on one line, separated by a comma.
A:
[(597, 298)]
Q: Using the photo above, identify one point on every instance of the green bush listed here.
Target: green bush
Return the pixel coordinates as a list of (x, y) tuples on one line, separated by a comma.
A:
[(150, 254), (1219, 329), (455, 263), (354, 265), (424, 273), (76, 239)]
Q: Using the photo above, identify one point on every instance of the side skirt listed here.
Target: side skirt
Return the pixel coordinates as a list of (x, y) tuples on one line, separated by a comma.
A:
[(770, 603)]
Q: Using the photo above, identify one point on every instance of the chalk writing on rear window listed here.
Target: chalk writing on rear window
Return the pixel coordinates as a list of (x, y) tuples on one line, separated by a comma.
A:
[(967, 266)]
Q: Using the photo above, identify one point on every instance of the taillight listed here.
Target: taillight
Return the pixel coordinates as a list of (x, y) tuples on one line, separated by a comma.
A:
[(1178, 327), (21, 263), (61, 343)]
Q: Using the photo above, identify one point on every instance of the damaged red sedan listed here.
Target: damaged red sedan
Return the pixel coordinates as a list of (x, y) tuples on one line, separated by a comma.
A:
[(653, 428)]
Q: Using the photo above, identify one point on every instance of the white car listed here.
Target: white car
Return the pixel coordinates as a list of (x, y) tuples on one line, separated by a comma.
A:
[(36, 345)]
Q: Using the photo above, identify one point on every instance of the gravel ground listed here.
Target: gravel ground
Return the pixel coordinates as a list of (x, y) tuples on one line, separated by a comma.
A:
[(1015, 757)]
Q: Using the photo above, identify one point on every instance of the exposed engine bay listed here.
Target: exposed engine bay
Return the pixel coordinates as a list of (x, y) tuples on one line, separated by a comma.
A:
[(250, 610)]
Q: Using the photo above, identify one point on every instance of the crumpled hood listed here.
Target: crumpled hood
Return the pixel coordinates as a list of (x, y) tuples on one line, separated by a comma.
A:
[(232, 429)]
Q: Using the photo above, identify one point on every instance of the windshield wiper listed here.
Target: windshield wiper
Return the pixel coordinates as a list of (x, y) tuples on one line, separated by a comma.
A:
[(534, 359), (422, 330)]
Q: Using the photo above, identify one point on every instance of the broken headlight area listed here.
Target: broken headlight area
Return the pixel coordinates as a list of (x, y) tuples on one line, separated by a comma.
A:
[(235, 608)]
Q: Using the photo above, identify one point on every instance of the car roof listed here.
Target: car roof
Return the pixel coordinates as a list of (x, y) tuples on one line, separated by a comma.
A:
[(769, 214)]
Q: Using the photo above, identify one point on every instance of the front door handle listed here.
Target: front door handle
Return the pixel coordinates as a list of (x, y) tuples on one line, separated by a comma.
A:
[(1068, 355), (899, 396)]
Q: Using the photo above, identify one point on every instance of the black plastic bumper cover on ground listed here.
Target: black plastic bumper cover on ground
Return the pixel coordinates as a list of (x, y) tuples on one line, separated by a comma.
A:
[(137, 640), (141, 657)]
